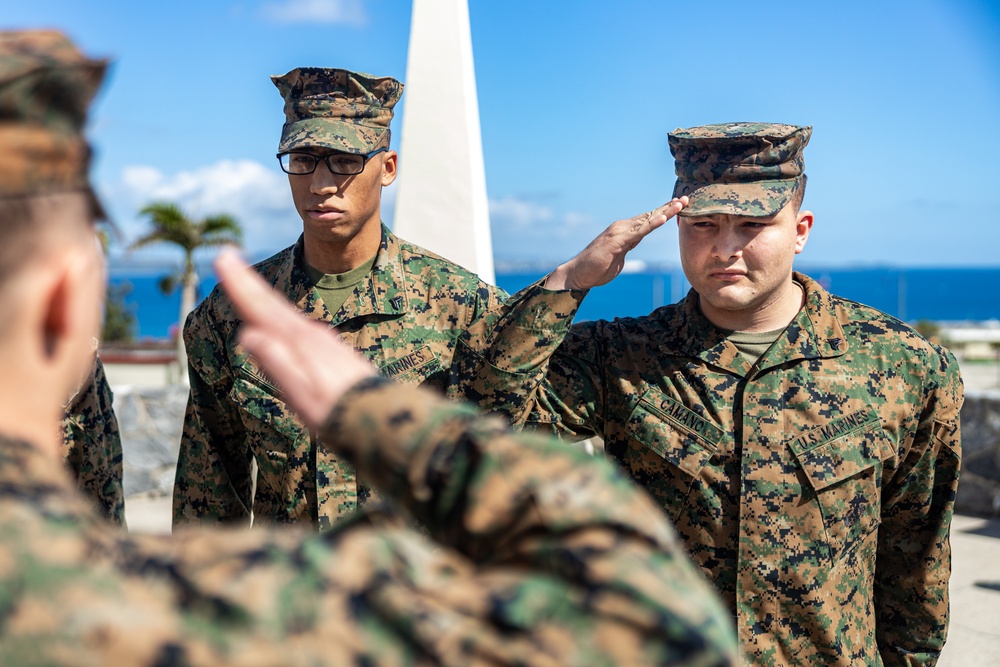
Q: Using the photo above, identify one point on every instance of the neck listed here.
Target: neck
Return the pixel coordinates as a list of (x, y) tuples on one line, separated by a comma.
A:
[(776, 313), (336, 256), (33, 421), (32, 400)]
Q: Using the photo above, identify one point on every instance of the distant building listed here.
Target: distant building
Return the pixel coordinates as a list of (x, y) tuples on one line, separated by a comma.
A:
[(972, 341)]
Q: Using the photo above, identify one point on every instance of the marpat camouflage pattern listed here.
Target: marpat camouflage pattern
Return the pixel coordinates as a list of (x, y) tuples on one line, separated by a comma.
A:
[(92, 446), (814, 487), (336, 109), (404, 317), (535, 555), (750, 169)]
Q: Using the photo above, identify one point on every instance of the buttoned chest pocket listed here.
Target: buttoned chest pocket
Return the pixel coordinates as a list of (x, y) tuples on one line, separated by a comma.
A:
[(272, 429), (670, 446), (845, 475)]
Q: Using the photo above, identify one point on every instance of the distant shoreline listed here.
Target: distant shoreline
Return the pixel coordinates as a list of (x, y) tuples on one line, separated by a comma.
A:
[(951, 297)]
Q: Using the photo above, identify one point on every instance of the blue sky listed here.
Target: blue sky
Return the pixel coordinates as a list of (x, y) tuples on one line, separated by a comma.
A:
[(576, 100)]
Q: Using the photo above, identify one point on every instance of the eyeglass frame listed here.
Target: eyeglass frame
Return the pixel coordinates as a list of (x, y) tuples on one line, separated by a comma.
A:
[(326, 158)]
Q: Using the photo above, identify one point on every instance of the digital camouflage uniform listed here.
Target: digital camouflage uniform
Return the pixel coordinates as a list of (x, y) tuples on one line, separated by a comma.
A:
[(512, 570), (814, 487), (535, 555), (404, 317), (93, 446)]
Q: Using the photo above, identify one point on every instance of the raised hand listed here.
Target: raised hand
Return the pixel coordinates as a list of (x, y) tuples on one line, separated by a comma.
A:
[(601, 261)]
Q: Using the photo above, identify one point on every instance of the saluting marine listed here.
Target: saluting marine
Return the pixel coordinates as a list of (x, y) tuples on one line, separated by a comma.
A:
[(806, 447)]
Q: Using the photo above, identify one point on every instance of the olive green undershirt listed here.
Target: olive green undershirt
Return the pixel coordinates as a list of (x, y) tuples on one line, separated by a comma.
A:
[(335, 288), (753, 345)]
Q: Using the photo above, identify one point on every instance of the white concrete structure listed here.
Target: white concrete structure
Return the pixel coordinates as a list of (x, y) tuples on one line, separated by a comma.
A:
[(978, 340), (441, 199)]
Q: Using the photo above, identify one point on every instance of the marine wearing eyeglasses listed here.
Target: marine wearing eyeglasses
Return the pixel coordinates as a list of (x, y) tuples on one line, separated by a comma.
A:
[(401, 306), (340, 163)]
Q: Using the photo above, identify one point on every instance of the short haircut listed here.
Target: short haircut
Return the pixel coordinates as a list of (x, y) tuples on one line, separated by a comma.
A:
[(799, 195), (28, 225)]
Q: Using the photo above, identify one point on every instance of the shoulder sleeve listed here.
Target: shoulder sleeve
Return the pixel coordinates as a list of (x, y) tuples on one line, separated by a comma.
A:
[(502, 360), (914, 553), (93, 446), (213, 479)]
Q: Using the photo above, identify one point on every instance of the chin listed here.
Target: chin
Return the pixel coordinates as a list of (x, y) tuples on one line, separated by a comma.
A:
[(730, 295)]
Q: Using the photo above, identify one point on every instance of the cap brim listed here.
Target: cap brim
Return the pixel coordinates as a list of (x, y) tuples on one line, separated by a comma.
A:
[(323, 133), (755, 200)]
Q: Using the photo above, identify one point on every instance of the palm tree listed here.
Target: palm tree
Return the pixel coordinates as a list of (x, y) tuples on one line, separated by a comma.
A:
[(171, 225)]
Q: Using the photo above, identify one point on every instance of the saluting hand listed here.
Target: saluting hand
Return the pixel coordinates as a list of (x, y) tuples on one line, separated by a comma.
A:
[(602, 260)]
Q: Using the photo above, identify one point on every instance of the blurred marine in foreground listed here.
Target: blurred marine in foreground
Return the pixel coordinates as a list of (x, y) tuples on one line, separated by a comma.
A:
[(532, 554)]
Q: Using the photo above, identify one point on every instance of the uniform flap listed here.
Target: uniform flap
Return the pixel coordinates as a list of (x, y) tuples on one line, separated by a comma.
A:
[(841, 449), (681, 436), (254, 396)]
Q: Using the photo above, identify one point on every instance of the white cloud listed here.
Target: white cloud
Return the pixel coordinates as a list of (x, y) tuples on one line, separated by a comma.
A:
[(524, 229), (511, 211), (350, 12), (576, 219), (258, 197)]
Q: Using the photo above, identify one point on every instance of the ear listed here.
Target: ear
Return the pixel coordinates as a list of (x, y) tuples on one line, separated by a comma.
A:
[(390, 162), (803, 225), (70, 313), (57, 317)]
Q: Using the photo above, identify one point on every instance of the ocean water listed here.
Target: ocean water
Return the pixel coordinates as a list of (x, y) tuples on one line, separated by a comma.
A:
[(942, 295)]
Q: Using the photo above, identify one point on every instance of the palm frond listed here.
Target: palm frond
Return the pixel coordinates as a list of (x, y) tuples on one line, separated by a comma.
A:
[(171, 225)]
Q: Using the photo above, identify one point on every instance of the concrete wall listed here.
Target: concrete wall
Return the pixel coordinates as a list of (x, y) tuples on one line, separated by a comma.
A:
[(150, 419), (979, 488)]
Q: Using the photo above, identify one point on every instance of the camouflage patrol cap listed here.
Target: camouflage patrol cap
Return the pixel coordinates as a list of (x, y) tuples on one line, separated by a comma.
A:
[(336, 109), (46, 85), (750, 169)]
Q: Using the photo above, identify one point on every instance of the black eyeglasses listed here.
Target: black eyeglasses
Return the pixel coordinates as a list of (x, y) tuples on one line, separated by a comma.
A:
[(342, 164)]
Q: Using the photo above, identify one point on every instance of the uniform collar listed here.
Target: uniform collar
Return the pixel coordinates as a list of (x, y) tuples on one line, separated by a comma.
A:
[(816, 332), (382, 292)]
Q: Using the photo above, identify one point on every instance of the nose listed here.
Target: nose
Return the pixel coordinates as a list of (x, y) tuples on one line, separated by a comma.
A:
[(324, 181), (728, 244)]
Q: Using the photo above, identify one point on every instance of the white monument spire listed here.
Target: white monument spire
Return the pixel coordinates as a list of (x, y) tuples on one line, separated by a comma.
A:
[(441, 199)]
